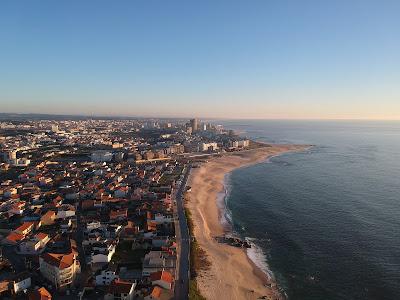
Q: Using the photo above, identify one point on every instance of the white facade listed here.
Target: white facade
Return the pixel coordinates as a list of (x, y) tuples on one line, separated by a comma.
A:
[(59, 277), (92, 225), (160, 219), (240, 144), (63, 214), (22, 285), (208, 146), (106, 277), (101, 156), (103, 255), (22, 162)]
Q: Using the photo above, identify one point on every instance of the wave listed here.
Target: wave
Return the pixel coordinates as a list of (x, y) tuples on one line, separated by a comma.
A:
[(258, 257), (256, 254), (222, 198)]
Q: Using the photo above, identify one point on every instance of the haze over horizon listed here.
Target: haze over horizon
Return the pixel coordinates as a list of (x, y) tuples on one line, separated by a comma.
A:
[(225, 59)]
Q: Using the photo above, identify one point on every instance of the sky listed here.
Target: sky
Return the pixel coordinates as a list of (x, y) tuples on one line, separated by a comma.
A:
[(212, 59)]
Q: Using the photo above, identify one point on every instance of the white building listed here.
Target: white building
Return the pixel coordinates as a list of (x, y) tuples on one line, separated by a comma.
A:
[(163, 279), (240, 144), (101, 156), (208, 147), (60, 269), (65, 212), (54, 128), (161, 219), (156, 261), (34, 245), (22, 162), (92, 225), (22, 282), (102, 253), (106, 277)]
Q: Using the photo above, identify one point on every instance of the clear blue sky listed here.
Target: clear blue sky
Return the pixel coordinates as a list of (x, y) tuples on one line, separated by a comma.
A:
[(239, 59)]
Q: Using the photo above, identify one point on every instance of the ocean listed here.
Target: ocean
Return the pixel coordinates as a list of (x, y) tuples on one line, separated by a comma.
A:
[(325, 222)]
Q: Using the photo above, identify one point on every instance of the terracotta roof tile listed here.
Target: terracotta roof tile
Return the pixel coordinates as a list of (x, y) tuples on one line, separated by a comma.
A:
[(60, 261)]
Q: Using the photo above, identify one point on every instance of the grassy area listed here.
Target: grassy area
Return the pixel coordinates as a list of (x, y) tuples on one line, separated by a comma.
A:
[(194, 293), (198, 261)]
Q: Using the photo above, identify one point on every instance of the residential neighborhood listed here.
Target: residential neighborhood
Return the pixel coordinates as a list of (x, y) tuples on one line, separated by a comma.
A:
[(88, 208)]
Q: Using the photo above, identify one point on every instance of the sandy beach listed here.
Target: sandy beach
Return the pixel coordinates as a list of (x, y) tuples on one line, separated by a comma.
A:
[(231, 275)]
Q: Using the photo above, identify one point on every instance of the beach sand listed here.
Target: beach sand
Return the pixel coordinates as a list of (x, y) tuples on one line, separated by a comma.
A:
[(231, 275)]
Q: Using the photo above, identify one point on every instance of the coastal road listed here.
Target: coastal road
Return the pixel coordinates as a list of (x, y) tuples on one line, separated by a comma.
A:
[(183, 240)]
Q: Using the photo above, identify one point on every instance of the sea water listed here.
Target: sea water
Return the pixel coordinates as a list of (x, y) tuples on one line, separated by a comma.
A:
[(326, 221)]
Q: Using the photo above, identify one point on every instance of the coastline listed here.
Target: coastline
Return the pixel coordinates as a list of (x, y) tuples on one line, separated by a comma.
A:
[(232, 274)]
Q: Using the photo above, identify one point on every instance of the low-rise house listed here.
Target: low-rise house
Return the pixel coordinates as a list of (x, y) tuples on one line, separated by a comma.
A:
[(5, 288), (22, 282), (43, 238), (92, 225), (25, 228), (13, 239), (40, 294), (65, 211), (161, 219), (155, 294), (155, 261), (102, 253), (17, 208), (106, 277), (48, 218), (163, 279), (120, 290), (34, 245), (30, 246)]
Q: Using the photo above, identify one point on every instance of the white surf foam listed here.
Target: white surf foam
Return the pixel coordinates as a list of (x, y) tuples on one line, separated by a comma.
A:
[(258, 257)]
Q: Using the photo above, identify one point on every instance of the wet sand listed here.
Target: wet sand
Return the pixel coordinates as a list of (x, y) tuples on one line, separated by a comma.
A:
[(231, 275)]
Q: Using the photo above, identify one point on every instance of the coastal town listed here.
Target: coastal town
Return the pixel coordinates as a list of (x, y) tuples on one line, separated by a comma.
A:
[(93, 208)]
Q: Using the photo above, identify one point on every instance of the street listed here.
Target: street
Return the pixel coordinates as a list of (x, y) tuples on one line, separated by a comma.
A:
[(183, 240)]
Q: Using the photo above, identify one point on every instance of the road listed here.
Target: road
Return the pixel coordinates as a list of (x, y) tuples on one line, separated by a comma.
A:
[(183, 240), (78, 236)]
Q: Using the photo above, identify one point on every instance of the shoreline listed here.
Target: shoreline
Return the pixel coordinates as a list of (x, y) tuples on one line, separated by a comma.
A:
[(232, 274)]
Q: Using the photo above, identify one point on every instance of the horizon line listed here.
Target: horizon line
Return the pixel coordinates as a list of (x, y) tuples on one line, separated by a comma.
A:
[(196, 117)]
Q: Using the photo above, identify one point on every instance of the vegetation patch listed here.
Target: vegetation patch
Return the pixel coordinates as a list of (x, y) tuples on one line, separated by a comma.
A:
[(198, 261), (194, 293)]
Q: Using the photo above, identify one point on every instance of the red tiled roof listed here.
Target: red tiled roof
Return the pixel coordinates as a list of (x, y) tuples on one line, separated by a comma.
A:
[(24, 226), (41, 235), (40, 294), (14, 237), (49, 214), (156, 292), (60, 261), (162, 275)]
